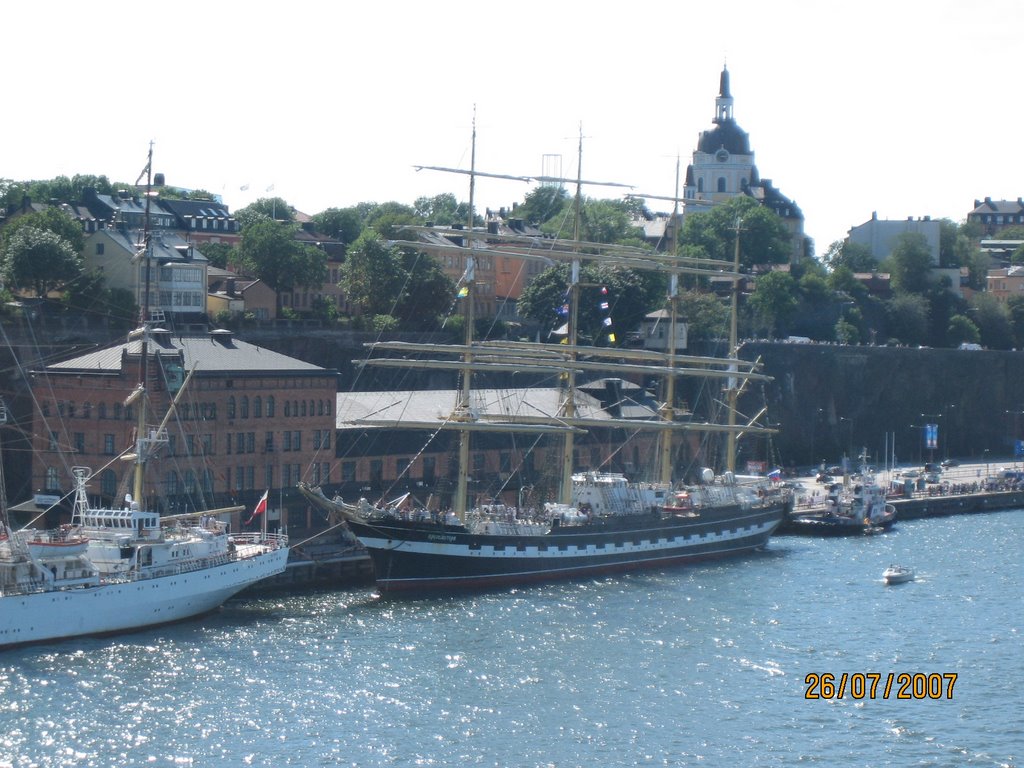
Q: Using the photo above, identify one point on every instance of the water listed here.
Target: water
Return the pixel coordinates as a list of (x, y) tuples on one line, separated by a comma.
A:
[(692, 666)]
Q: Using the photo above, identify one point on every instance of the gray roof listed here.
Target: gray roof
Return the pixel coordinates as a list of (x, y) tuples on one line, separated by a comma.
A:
[(215, 353)]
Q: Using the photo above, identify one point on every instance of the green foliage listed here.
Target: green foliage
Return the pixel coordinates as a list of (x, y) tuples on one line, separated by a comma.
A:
[(269, 251), (773, 303), (384, 323), (962, 330), (443, 210), (372, 276), (856, 257), (89, 295), (763, 236), (705, 314), (993, 320), (264, 209), (846, 332), (219, 254), (1015, 307), (389, 218), (630, 296), (543, 204), (427, 293), (343, 224), (61, 189), (907, 317), (910, 264), (51, 220), (38, 260)]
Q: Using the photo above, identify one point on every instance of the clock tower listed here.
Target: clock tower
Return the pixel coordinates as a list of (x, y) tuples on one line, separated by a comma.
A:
[(723, 167)]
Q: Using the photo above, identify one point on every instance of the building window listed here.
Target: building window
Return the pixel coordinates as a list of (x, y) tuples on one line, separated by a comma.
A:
[(231, 407), (296, 441), (99, 249), (257, 408), (348, 471), (268, 475), (51, 481), (270, 407), (108, 444), (268, 442), (287, 439), (80, 442), (108, 483), (53, 441)]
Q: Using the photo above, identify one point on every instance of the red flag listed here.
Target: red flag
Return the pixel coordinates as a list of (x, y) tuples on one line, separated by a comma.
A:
[(261, 507)]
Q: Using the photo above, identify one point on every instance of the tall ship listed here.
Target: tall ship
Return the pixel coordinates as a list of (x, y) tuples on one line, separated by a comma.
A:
[(117, 569), (600, 522)]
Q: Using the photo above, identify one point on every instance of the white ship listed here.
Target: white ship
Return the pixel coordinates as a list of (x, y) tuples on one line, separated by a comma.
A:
[(115, 570)]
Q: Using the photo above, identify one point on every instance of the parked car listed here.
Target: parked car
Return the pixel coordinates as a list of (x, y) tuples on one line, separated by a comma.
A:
[(947, 463)]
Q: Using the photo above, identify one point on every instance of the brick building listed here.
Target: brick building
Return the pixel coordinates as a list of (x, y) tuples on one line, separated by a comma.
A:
[(249, 420)]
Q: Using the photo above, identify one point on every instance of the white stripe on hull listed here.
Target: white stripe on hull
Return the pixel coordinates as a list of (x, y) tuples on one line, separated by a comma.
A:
[(125, 606)]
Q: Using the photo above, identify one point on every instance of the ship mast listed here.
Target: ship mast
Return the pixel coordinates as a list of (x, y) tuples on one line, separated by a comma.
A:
[(733, 386), (462, 409), (668, 409), (572, 324)]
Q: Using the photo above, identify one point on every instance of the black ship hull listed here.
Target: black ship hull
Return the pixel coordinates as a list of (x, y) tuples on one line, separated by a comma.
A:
[(426, 556), (828, 525)]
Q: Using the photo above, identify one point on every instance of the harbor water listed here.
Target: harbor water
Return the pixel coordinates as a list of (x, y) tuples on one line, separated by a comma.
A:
[(706, 665)]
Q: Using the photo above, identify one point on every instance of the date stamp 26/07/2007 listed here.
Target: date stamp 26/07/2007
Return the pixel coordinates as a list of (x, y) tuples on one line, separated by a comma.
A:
[(880, 685)]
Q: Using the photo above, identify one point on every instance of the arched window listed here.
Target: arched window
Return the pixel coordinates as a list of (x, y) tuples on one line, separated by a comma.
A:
[(721, 183), (231, 407), (245, 407), (270, 406), (52, 481), (319, 407), (257, 408), (303, 407), (86, 409), (287, 407), (101, 411), (173, 486), (700, 185), (190, 481)]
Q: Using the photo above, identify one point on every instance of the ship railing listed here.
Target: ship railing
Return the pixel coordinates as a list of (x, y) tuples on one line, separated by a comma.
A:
[(273, 541)]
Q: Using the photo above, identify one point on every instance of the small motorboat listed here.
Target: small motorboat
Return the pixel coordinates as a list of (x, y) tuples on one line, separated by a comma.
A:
[(897, 574)]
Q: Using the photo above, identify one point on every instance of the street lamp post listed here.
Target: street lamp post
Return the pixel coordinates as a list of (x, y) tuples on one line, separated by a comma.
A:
[(945, 426), (849, 450), (985, 454)]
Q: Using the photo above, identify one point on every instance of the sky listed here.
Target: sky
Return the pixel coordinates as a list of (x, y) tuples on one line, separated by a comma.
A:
[(906, 108)]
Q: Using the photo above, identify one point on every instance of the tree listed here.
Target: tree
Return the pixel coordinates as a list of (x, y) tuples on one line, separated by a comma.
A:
[(428, 292), (442, 209), (343, 224), (50, 219), (219, 254), (266, 208), (907, 317), (372, 276), (629, 297), (544, 203), (962, 330), (706, 317), (1015, 306), (39, 260), (856, 257), (774, 303), (993, 320), (763, 236), (389, 218), (269, 251), (910, 264)]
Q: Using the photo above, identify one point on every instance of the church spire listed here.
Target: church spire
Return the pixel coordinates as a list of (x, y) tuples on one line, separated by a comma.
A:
[(723, 104)]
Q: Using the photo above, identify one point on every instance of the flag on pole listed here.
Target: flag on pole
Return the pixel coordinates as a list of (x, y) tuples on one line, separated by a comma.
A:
[(261, 507)]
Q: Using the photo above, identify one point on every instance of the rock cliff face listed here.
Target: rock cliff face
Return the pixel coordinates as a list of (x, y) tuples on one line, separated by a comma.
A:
[(831, 399)]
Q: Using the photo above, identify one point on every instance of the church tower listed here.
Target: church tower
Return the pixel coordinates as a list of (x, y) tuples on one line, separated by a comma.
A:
[(723, 167)]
